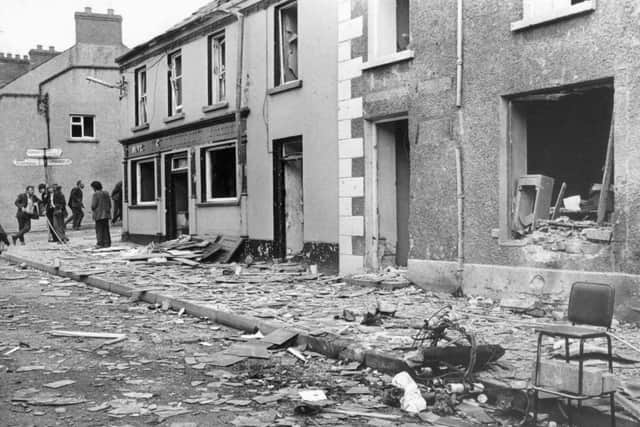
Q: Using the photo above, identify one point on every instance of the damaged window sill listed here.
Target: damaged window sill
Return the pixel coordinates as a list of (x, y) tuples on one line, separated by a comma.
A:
[(174, 118), (141, 127), (402, 56), (215, 107), (554, 15), (295, 84)]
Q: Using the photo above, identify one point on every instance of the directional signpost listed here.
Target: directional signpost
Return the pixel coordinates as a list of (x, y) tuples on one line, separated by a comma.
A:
[(43, 157)]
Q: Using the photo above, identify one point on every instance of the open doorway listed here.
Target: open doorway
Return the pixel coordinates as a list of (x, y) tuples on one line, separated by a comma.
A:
[(562, 137), (393, 172), (288, 197), (177, 194)]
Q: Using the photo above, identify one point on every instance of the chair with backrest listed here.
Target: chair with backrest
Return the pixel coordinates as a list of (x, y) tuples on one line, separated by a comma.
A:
[(589, 304)]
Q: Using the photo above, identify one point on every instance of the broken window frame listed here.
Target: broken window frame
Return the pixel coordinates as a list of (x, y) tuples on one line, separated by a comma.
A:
[(207, 182), (286, 64), (383, 22), (141, 115), (514, 161), (175, 82), (137, 187), (81, 121), (217, 68)]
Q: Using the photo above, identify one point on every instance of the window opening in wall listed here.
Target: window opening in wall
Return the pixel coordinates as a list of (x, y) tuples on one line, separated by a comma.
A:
[(389, 30), (286, 43), (141, 96), (179, 163), (82, 126), (218, 66), (175, 83), (221, 172), (559, 143), (143, 185)]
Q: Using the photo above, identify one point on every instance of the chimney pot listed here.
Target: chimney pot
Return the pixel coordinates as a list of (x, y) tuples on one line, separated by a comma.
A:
[(51, 49), (1, 54), (39, 47), (87, 10), (109, 11), (9, 55), (25, 57)]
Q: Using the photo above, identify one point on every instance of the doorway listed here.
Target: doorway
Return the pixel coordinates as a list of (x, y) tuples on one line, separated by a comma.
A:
[(288, 197), (393, 173), (177, 194)]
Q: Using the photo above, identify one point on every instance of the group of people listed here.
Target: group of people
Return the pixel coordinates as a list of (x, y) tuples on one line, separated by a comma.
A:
[(52, 204)]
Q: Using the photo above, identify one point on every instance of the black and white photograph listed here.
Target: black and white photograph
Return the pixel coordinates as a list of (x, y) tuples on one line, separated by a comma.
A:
[(256, 213)]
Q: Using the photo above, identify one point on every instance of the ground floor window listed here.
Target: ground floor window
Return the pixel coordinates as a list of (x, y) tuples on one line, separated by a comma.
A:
[(559, 142), (143, 181), (220, 172)]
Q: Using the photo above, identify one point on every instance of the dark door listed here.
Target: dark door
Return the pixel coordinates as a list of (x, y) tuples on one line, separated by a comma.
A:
[(177, 195)]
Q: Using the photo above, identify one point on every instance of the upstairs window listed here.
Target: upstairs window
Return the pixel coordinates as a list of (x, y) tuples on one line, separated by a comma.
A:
[(536, 12), (286, 43), (175, 83), (217, 68), (141, 96), (82, 127), (388, 32)]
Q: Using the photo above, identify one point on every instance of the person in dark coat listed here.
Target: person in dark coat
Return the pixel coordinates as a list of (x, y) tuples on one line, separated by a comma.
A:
[(76, 205), (47, 202), (116, 196), (101, 209), (27, 204), (59, 213)]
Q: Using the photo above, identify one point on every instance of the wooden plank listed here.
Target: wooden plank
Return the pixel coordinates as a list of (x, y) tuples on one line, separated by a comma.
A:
[(562, 376), (82, 334), (606, 178), (556, 209), (628, 405), (230, 244)]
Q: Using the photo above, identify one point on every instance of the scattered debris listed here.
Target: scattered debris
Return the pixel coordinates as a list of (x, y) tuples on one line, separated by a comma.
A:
[(412, 401), (59, 384)]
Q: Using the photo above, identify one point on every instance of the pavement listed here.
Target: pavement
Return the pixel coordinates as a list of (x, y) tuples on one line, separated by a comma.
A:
[(319, 307), (164, 373)]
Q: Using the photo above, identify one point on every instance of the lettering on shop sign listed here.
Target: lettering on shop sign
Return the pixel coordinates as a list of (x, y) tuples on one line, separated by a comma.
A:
[(137, 149), (219, 132)]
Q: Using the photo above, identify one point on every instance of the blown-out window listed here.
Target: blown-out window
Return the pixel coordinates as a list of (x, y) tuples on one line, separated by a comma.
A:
[(218, 67), (220, 172), (388, 27), (143, 181), (141, 96), (286, 40), (175, 83)]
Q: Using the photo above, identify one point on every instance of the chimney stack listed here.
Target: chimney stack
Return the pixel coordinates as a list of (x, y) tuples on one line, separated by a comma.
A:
[(98, 28), (39, 55)]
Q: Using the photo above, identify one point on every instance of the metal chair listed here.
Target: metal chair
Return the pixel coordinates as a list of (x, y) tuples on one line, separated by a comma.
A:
[(589, 304)]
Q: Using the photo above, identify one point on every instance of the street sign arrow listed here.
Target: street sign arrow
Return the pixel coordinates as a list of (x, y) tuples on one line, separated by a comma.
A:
[(40, 162), (40, 152)]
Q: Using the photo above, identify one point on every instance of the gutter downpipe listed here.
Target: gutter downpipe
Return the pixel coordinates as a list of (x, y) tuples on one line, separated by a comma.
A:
[(244, 216), (459, 173)]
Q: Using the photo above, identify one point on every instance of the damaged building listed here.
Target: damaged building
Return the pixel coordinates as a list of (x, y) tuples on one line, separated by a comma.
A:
[(504, 175), (231, 130)]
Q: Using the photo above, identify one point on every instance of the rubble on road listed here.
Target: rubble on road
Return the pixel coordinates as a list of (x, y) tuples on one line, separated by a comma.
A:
[(185, 249)]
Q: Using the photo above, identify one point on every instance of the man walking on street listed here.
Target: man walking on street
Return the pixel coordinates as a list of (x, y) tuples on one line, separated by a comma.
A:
[(27, 204), (116, 195), (76, 205), (101, 209)]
